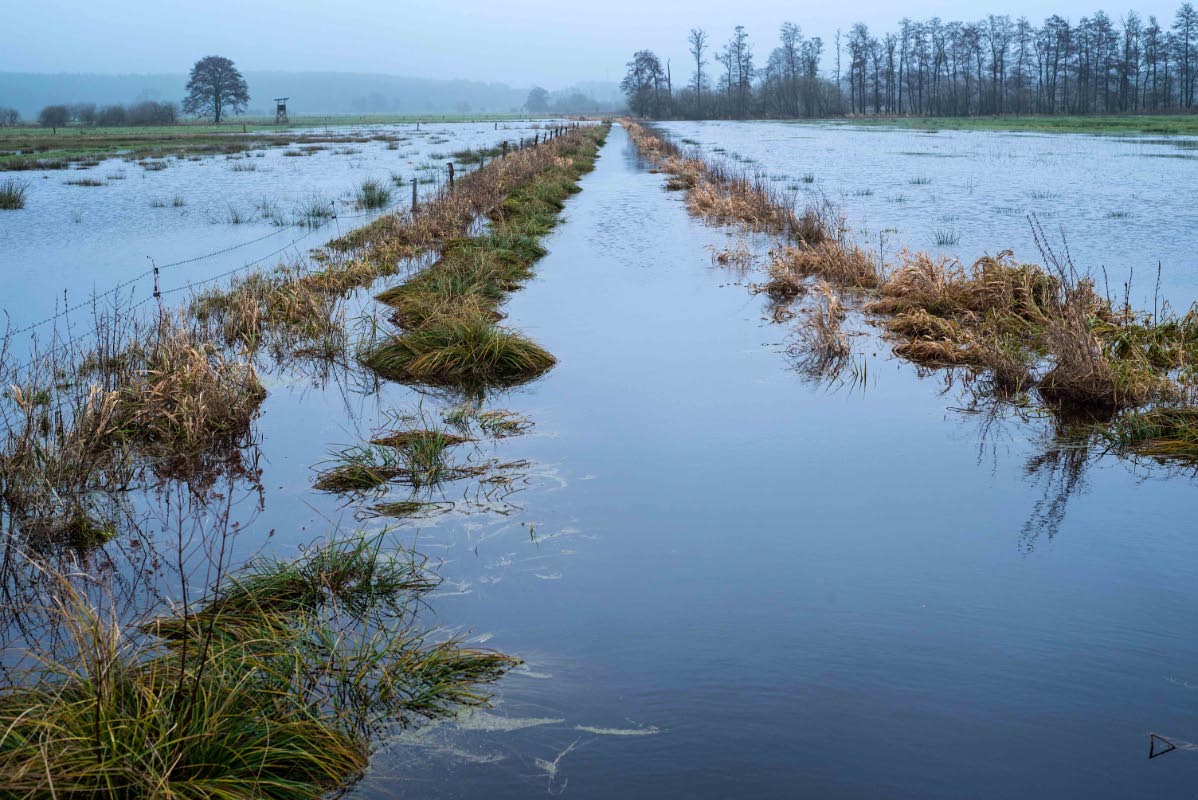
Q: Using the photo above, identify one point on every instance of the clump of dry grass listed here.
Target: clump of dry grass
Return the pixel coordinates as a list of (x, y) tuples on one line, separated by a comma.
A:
[(1029, 327), (81, 424), (838, 263), (186, 397)]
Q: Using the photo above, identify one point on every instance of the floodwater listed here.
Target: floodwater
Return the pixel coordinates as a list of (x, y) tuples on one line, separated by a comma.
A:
[(742, 584), (1114, 203), (214, 213), (729, 580)]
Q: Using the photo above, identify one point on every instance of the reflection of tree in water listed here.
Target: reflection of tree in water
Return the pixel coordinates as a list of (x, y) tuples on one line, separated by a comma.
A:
[(1066, 445), (1061, 470)]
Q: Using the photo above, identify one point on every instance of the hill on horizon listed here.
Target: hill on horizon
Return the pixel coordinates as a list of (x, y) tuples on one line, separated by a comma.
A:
[(309, 92)]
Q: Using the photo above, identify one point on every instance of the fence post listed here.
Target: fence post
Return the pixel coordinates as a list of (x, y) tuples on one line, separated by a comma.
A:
[(450, 174), (157, 287), (413, 197), (505, 148)]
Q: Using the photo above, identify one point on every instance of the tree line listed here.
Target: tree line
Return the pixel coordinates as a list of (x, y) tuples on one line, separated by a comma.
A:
[(215, 88), (992, 66)]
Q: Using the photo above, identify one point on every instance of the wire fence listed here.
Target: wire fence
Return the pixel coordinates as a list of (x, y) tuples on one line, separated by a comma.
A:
[(157, 269)]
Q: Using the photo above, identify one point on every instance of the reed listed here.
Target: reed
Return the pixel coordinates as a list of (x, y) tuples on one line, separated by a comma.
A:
[(12, 194), (373, 194)]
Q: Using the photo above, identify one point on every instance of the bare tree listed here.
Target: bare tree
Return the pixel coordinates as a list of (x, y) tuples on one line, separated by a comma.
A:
[(215, 88), (698, 46)]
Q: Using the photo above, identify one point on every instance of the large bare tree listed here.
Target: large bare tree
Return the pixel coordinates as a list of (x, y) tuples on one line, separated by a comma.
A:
[(215, 88)]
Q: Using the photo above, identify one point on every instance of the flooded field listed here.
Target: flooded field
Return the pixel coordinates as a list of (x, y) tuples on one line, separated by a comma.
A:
[(725, 576), (1111, 200), (90, 229), (741, 583)]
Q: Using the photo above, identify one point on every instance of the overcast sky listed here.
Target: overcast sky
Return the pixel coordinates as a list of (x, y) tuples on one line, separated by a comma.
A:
[(551, 42)]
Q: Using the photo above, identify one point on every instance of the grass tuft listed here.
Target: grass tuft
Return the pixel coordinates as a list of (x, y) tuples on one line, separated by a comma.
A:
[(373, 194), (12, 194)]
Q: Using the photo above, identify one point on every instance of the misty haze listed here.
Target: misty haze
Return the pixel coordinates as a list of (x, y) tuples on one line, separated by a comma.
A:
[(475, 400)]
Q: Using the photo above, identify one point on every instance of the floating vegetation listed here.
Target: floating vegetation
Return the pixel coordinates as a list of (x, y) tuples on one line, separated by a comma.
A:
[(84, 182), (738, 257), (825, 348), (415, 456), (1167, 433), (12, 194), (403, 509), (502, 424), (920, 180)]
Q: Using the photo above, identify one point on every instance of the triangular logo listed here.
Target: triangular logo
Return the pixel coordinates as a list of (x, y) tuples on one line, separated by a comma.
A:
[(1159, 745)]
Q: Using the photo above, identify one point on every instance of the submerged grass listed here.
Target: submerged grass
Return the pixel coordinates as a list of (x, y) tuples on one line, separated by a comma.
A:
[(277, 686), (416, 457)]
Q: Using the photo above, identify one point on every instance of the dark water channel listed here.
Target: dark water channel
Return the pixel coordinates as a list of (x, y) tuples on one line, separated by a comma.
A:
[(742, 584)]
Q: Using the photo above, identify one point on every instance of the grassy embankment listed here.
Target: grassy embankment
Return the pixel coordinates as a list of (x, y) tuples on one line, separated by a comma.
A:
[(448, 312), (1025, 333), (27, 148), (277, 683)]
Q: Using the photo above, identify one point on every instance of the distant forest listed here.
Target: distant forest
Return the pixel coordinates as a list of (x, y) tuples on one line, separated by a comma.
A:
[(934, 68), (310, 93)]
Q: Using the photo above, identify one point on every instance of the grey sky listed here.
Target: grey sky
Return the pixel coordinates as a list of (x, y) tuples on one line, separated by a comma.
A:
[(552, 42)]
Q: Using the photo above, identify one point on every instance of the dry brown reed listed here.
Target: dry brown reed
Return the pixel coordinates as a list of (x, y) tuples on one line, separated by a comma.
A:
[(1019, 326)]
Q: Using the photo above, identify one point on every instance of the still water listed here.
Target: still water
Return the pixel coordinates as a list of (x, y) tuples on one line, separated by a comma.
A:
[(728, 582)]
